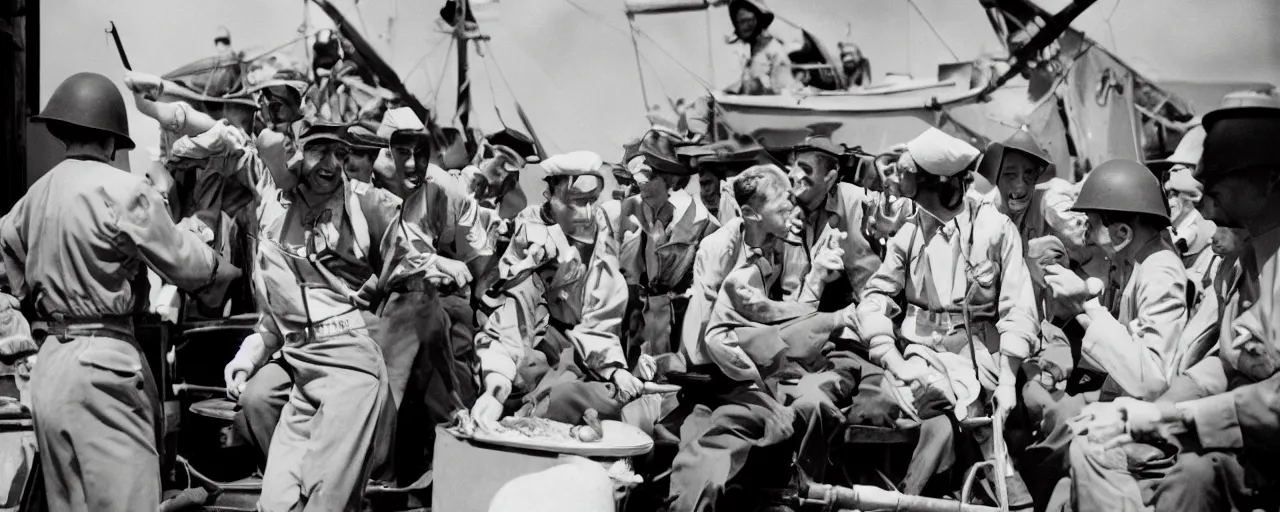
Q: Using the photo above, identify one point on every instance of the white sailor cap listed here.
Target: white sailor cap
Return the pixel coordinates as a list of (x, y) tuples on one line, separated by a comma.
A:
[(579, 166), (399, 119), (940, 154)]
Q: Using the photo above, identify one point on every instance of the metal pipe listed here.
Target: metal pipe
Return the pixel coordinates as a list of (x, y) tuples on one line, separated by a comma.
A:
[(865, 497)]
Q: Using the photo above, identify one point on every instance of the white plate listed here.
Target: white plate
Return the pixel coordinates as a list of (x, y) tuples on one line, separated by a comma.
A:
[(620, 440)]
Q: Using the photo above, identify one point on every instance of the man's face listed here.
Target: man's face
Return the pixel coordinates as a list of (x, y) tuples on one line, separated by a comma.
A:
[(1228, 241), (359, 165), (776, 211), (494, 179), (1180, 203), (1237, 198), (573, 203), (322, 163), (653, 187), (280, 105), (1110, 239), (744, 24), (412, 157), (1017, 180), (709, 189), (811, 175)]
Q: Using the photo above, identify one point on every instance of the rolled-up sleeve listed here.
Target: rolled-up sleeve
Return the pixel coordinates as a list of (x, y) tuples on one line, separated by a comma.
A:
[(1018, 325)]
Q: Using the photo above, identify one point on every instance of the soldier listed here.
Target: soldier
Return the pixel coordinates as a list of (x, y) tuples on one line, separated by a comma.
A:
[(1220, 416), (752, 335), (969, 306), (74, 247), (1192, 233), (427, 333), (1038, 203), (564, 296), (326, 250), (658, 236), (1137, 348)]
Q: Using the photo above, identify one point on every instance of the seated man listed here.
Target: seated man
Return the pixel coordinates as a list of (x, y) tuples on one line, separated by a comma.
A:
[(1220, 417), (1136, 348), (960, 268), (752, 334), (658, 236), (564, 295)]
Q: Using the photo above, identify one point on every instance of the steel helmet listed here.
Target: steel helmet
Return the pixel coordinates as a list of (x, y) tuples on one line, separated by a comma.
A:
[(1021, 142), (89, 100), (1122, 186)]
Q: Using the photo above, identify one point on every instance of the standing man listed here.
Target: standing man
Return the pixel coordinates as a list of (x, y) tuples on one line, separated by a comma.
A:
[(959, 266), (1222, 412), (326, 249), (659, 232), (75, 246), (427, 332), (563, 294), (766, 66)]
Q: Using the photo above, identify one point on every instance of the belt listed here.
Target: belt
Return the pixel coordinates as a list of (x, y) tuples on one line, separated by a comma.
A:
[(120, 327), (335, 326), (941, 322)]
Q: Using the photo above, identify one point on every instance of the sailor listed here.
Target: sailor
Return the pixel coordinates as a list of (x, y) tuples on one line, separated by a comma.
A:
[(752, 334), (1220, 417), (365, 148), (427, 332), (717, 164), (828, 205), (326, 250), (855, 65), (564, 300), (1127, 220), (75, 247), (1136, 347), (766, 65), (1026, 191), (969, 308), (658, 236), (403, 130), (626, 186), (1192, 233)]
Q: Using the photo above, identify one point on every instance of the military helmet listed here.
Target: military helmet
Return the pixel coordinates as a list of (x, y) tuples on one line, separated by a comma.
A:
[(89, 100), (1122, 186), (1021, 142)]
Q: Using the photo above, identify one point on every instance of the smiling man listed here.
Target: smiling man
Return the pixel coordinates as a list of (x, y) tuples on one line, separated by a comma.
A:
[(562, 294), (325, 250)]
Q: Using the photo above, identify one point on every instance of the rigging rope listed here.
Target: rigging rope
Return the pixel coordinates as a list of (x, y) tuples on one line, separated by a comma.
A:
[(435, 96), (644, 92), (934, 30)]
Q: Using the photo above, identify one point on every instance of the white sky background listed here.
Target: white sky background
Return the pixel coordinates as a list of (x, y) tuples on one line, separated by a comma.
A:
[(575, 71)]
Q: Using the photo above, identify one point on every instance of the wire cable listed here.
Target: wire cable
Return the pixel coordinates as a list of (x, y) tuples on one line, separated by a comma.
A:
[(934, 30)]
